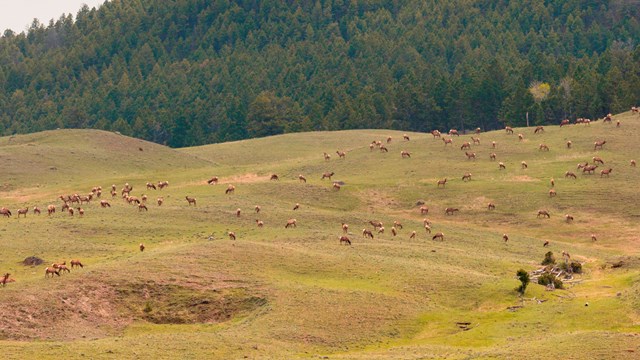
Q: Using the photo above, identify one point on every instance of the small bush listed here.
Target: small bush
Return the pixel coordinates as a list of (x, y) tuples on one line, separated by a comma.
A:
[(549, 259), (523, 276), (546, 279), (573, 267)]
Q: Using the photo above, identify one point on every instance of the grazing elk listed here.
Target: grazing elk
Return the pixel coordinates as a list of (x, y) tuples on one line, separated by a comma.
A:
[(599, 144), (36, 210), (597, 159), (327, 157), (153, 186), (413, 235), (439, 235), (607, 119), (397, 224), (447, 141), (80, 211), (257, 209), (466, 177), (405, 137), (274, 177), (142, 247), (552, 182), (450, 211), (605, 172), (296, 206), (564, 122), (260, 223), (509, 130), (543, 147), (70, 211), (213, 181), (160, 200), (539, 129), (389, 139), (552, 193), (569, 143), (230, 189), (523, 164), (367, 233), (394, 231), (505, 237), (5, 279), (232, 235), (345, 228), (104, 204), (405, 154), (61, 267), (635, 110), (543, 213), (190, 200), (493, 144), (51, 209), (465, 145), (50, 271), (568, 218), (520, 137), (76, 263), (327, 175), (593, 237), (435, 133), (476, 141), (492, 156), (424, 210), (163, 184), (383, 148), (589, 169), (345, 239), (142, 207), (546, 243), (633, 163), (442, 182), (291, 223), (491, 206), (23, 211), (341, 154), (301, 178), (470, 156), (6, 212), (336, 186), (427, 228), (453, 132), (375, 223), (501, 166), (570, 174)]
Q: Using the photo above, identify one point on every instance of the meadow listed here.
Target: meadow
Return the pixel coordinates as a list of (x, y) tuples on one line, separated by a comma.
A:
[(298, 293)]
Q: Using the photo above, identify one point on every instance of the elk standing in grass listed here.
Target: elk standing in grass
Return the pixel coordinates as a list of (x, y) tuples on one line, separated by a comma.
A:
[(230, 189), (367, 233), (260, 223), (568, 218), (491, 206), (605, 172), (76, 263), (345, 239), (543, 213), (232, 235), (405, 154), (160, 200), (599, 144), (327, 175), (505, 237), (539, 129), (450, 211), (569, 143), (439, 235), (23, 211), (570, 174), (190, 200), (36, 210), (424, 210), (413, 235), (50, 271), (291, 223), (301, 178), (274, 177), (509, 130), (442, 182), (543, 147), (466, 177)]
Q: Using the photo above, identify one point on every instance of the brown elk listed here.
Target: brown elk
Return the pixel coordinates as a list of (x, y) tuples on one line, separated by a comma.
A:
[(570, 174), (397, 224), (50, 271), (80, 211), (635, 110), (589, 169), (232, 235), (70, 211), (552, 193), (450, 211), (375, 223), (142, 247), (345, 239), (447, 141), (213, 181), (104, 203), (501, 166), (478, 130), (327, 175), (51, 209), (505, 237), (345, 228), (607, 119), (442, 182), (539, 129), (470, 156), (389, 139), (291, 223), (520, 137), (6, 212), (435, 133), (152, 186), (552, 182), (492, 156), (524, 165), (383, 148), (336, 186), (371, 146), (327, 157), (569, 143), (163, 184), (439, 235), (142, 207), (568, 218), (301, 178), (597, 159), (113, 193), (65, 206), (465, 145), (405, 137), (491, 206), (5, 279), (582, 166), (633, 163), (427, 228), (546, 243), (144, 198), (61, 267), (394, 231), (341, 154), (230, 189), (413, 235), (543, 147), (593, 237), (190, 200), (36, 210), (75, 263), (405, 154), (381, 230), (543, 213), (599, 144), (274, 177), (453, 132), (493, 144), (476, 141), (606, 172), (238, 211), (367, 233), (466, 177), (508, 129), (426, 221), (424, 210), (160, 200), (260, 223), (23, 211), (257, 209), (564, 122)]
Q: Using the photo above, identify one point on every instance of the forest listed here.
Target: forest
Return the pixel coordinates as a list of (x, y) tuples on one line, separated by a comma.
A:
[(191, 72)]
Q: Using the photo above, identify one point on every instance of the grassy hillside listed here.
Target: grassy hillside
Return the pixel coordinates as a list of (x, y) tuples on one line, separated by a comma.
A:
[(298, 293)]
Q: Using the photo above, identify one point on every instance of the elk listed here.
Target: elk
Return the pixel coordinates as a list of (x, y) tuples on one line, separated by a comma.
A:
[(50, 270), (539, 129), (581, 165), (426, 221), (424, 210), (301, 178), (435, 133), (470, 156), (543, 213), (524, 165), (383, 148), (230, 189), (274, 177), (367, 233), (36, 210), (388, 139), (6, 212), (405, 137), (465, 145), (327, 175), (80, 211), (520, 137), (104, 203), (341, 154), (427, 228), (589, 169), (447, 141), (491, 206), (113, 193), (569, 143), (439, 235), (568, 218), (142, 207), (570, 174), (375, 223), (552, 193), (607, 119), (597, 159), (501, 166), (296, 206), (405, 154), (466, 177), (51, 209), (291, 223), (633, 163), (476, 141), (543, 147), (153, 186), (61, 267), (493, 144), (260, 223), (345, 228), (413, 235), (593, 237), (505, 237), (394, 231), (71, 211), (190, 200), (478, 130), (442, 182), (605, 172), (142, 247), (450, 211), (327, 157), (232, 235), (163, 184), (160, 200), (508, 129), (5, 279), (23, 212), (336, 186), (564, 122), (599, 144), (453, 132), (75, 263), (552, 182), (345, 239), (635, 110), (381, 230), (213, 181), (546, 243), (492, 156), (397, 224), (371, 147), (257, 209)]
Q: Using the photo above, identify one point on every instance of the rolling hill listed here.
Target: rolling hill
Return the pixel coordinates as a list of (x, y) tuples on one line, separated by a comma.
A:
[(298, 293)]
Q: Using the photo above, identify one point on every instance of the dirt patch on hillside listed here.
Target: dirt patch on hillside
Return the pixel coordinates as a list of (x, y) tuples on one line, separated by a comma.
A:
[(524, 178), (245, 178), (90, 308)]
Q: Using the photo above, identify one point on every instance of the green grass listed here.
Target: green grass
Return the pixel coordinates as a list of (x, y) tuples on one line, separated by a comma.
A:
[(297, 293)]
